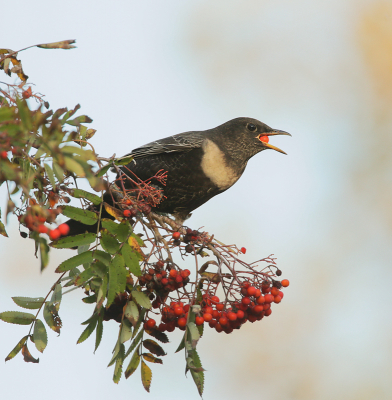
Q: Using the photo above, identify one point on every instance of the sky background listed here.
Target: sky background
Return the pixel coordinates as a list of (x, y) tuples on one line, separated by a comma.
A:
[(146, 70)]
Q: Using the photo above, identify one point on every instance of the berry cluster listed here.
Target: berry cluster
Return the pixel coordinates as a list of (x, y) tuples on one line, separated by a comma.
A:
[(174, 316), (35, 217)]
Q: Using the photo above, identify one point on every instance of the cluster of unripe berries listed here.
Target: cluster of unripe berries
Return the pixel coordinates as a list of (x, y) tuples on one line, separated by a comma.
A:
[(162, 281), (35, 219), (255, 304)]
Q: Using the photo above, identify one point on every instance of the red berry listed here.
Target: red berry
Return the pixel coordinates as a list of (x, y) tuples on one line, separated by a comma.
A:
[(208, 310), (274, 291), (240, 314), (178, 310), (223, 321), (54, 234), (164, 281), (246, 284), (215, 299), (64, 229), (212, 323), (257, 294), (216, 314), (218, 327), (252, 318), (127, 213), (285, 282), (246, 301), (181, 322), (42, 229), (3, 154), (179, 279), (251, 290), (264, 139), (220, 307), (232, 316), (128, 202), (176, 235), (243, 250), (281, 294), (173, 273), (260, 300), (258, 309), (207, 317), (150, 323), (277, 299), (185, 273), (199, 320), (162, 327), (267, 313), (269, 298)]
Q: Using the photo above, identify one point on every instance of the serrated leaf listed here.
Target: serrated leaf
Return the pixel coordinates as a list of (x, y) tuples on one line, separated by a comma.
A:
[(114, 212), (102, 256), (134, 343), (142, 299), (56, 296), (2, 230), (103, 170), (84, 276), (119, 363), (157, 334), (126, 331), (117, 278), (115, 353), (181, 345), (193, 333), (124, 229), (75, 261), (82, 194), (146, 376), (123, 160), (31, 303), (17, 317), (44, 252), (131, 259), (131, 313), (74, 241), (154, 347), (40, 336), (84, 216), (79, 120), (89, 329), (90, 299), (27, 356), (64, 44), (50, 174), (17, 348), (51, 317), (198, 375), (109, 243), (149, 357), (133, 364), (99, 332)]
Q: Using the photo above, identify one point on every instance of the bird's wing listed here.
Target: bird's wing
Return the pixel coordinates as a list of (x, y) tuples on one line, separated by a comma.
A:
[(183, 142)]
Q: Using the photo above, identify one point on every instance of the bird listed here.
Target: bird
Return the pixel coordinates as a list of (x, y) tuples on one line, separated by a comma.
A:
[(199, 164)]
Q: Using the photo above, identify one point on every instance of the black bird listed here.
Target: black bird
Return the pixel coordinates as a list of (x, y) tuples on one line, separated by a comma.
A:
[(199, 164)]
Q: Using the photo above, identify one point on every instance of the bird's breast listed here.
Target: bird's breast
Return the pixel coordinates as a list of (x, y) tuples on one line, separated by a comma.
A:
[(216, 168)]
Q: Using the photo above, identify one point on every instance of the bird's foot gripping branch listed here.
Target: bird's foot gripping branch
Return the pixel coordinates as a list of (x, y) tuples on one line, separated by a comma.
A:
[(137, 267)]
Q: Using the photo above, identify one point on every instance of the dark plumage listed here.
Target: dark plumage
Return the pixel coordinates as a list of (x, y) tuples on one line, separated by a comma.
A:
[(200, 164)]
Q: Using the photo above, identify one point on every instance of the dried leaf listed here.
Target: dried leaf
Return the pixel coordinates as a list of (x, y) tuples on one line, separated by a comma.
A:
[(154, 347), (146, 376), (64, 44), (27, 356), (17, 348)]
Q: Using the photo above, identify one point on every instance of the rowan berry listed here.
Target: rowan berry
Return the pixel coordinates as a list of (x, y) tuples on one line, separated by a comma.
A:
[(208, 310), (240, 314), (246, 284), (128, 202), (257, 294), (251, 290), (127, 213), (164, 281), (199, 320), (42, 229), (243, 250), (186, 308), (178, 310), (212, 323), (264, 139), (277, 299), (223, 321), (173, 273), (216, 314), (232, 316), (54, 234), (258, 309), (267, 313), (176, 235), (150, 323), (252, 318), (285, 282), (207, 317), (220, 307), (269, 298), (185, 273), (218, 327), (281, 294), (3, 154), (246, 301), (215, 299), (181, 322), (274, 291), (179, 279), (260, 300)]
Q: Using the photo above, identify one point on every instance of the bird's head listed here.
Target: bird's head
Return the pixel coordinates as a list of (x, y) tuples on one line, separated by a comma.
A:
[(245, 137)]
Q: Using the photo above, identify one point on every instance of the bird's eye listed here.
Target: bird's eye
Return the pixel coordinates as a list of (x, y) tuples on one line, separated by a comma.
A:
[(251, 127)]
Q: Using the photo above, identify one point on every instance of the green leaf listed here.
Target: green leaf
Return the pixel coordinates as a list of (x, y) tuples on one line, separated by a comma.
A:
[(181, 345), (51, 317), (84, 216), (89, 329), (17, 317), (17, 348), (56, 296), (2, 230), (134, 343), (102, 256), (124, 229), (79, 120), (117, 278), (138, 239), (103, 170), (58, 171), (125, 331), (99, 332), (74, 241), (137, 326), (84, 276), (90, 299), (133, 364), (31, 303), (154, 347), (109, 243), (82, 194), (50, 174), (119, 363), (142, 299), (193, 333), (40, 337), (131, 259), (146, 376), (83, 258), (197, 372), (123, 160), (44, 252), (132, 313), (115, 353)]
